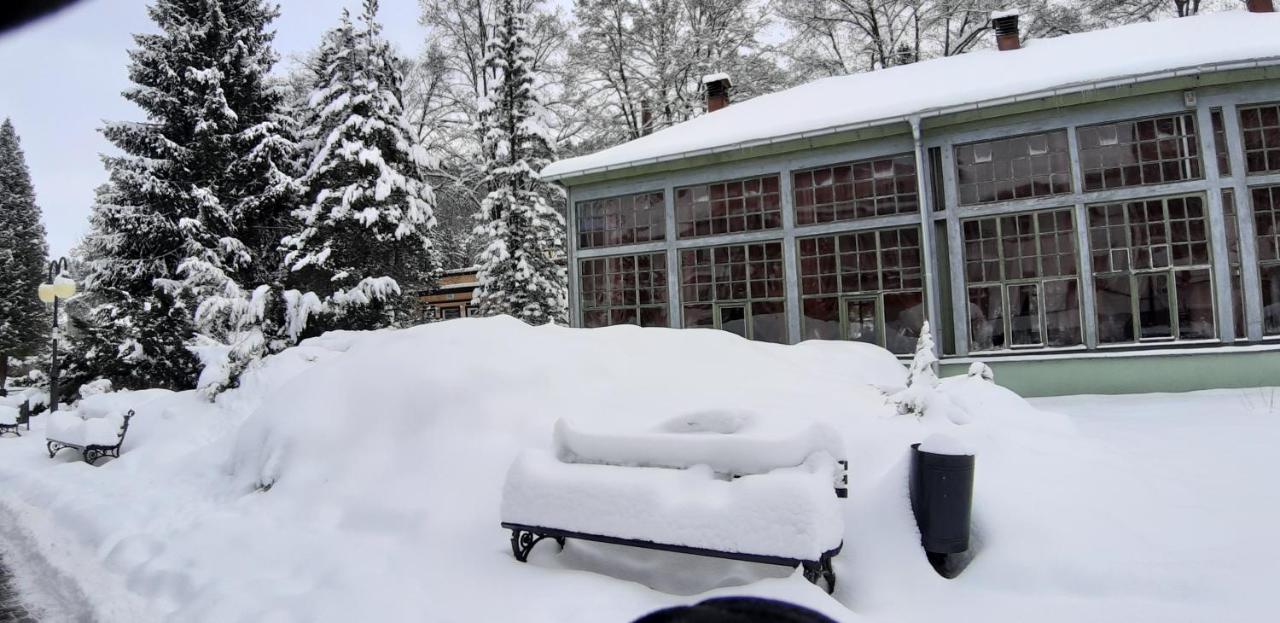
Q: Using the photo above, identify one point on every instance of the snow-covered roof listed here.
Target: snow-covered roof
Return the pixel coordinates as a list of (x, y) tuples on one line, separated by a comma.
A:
[(1127, 54)]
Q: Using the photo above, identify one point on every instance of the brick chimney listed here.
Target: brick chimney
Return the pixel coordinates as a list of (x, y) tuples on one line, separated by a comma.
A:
[(1260, 6), (1005, 23), (717, 87)]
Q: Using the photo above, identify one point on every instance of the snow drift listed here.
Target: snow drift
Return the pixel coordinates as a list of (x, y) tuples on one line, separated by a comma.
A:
[(359, 476)]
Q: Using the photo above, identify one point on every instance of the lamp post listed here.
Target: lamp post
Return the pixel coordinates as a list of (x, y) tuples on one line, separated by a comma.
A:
[(58, 288)]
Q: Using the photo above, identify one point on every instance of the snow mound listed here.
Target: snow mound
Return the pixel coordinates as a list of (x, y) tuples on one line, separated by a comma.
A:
[(360, 476), (507, 383), (117, 403), (8, 415)]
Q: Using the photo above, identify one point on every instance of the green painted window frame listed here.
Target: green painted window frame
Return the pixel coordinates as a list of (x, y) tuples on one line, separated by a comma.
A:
[(620, 219), (652, 281), (1267, 260), (904, 274), (1266, 131), (1169, 270), (1039, 279)]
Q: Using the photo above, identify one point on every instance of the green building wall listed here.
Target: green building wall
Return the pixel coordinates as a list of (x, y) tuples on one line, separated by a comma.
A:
[(1133, 372)]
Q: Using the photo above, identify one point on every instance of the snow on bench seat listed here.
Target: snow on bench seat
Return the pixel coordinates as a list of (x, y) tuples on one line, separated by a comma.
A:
[(789, 512), (70, 428), (730, 442), (8, 415)]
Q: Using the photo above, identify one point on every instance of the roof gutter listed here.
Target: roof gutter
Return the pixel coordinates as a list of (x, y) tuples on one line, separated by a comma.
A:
[(1070, 89)]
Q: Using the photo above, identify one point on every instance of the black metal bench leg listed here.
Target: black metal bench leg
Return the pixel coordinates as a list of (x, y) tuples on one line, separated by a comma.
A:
[(822, 570), (522, 542), (53, 447)]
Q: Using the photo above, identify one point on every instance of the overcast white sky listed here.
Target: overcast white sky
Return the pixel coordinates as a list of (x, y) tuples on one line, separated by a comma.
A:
[(61, 77)]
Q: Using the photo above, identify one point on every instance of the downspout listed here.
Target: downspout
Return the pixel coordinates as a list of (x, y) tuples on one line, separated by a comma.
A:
[(926, 237)]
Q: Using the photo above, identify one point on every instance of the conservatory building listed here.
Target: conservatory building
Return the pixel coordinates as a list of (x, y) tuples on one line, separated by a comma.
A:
[(1090, 213)]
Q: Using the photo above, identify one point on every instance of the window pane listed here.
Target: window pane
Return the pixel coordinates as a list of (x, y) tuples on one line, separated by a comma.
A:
[(1026, 249), (881, 263), (1220, 142), (1233, 257), (986, 318), (903, 317), (769, 322), (1139, 152), (733, 318), (1024, 315), (732, 273), (699, 316), (1195, 304), (595, 318), (1115, 309), (881, 187), (822, 318), (623, 289), (653, 317), (1271, 299), (728, 207), (1152, 291), (1170, 235), (630, 219), (860, 321), (1260, 127), (1061, 313), (1037, 165)]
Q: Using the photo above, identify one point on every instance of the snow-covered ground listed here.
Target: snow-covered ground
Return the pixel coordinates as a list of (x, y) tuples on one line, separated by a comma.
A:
[(360, 476)]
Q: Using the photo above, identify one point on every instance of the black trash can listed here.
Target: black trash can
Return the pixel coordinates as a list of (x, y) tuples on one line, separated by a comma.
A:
[(941, 499)]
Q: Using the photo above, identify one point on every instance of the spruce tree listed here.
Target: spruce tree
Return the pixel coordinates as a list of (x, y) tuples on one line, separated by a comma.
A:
[(24, 323), (521, 264), (364, 237), (186, 238)]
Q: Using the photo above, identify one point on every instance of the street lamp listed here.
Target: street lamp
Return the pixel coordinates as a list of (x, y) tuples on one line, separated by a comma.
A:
[(58, 288)]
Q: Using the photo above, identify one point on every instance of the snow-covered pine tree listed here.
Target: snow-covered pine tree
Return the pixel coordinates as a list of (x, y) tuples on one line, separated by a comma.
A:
[(24, 325), (924, 362), (190, 231), (364, 237), (521, 264), (921, 392)]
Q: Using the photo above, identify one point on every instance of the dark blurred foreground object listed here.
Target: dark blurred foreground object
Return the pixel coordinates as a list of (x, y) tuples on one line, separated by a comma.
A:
[(14, 13), (942, 501), (736, 610)]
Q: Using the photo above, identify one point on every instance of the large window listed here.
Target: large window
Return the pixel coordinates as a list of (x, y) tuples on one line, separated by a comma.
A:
[(857, 190), (727, 207), (1140, 152), (1266, 215), (1152, 270), (629, 219), (863, 286), (1036, 165), (1261, 128), (624, 289), (738, 288), (1023, 289)]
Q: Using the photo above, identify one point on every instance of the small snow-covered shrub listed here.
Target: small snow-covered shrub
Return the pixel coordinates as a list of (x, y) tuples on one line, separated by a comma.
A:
[(982, 371), (93, 388)]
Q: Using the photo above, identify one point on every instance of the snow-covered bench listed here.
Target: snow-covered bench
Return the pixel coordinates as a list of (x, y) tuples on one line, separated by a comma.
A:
[(723, 485), (12, 417), (93, 437)]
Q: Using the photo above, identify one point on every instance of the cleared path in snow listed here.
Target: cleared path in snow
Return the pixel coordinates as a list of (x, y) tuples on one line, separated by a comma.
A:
[(12, 609)]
